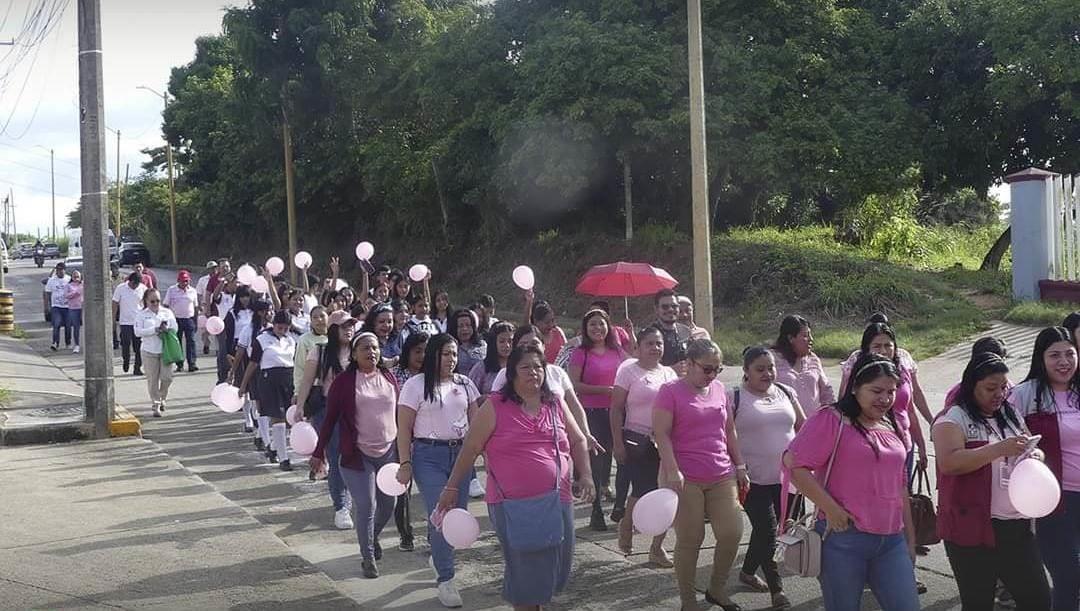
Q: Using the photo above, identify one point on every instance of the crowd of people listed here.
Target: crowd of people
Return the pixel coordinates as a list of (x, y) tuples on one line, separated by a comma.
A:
[(390, 372)]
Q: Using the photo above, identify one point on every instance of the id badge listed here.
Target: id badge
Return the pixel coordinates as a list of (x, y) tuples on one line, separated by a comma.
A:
[(1004, 473)]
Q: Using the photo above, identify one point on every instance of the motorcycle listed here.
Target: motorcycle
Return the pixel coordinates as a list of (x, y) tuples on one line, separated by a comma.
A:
[(39, 256)]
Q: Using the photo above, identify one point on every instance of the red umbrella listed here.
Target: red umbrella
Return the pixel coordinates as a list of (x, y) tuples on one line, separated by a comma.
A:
[(622, 279)]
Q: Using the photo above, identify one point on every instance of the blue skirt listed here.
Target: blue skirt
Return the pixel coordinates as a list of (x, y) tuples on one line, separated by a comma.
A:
[(534, 578)]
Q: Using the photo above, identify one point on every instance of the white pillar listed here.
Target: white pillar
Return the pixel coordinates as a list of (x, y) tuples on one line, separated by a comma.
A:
[(1033, 230)]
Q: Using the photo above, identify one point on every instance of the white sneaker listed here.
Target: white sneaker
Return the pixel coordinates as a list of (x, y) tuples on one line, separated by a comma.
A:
[(476, 489), (76, 349), (157, 409), (449, 595), (343, 519)]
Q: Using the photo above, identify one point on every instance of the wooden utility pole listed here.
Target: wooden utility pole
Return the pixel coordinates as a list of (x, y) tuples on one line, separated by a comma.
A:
[(52, 181), (628, 198), (290, 193), (99, 394), (120, 202), (699, 170)]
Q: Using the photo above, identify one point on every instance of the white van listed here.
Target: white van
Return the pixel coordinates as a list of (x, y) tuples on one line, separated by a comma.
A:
[(75, 250), (5, 260)]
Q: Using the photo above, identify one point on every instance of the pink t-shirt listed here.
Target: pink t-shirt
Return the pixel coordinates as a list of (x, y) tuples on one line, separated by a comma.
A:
[(807, 377), (869, 487), (376, 413), (520, 453), (1068, 414), (698, 430), (598, 370), (641, 386), (75, 295)]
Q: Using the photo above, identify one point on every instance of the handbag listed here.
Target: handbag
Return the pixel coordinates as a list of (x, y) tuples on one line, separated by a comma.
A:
[(171, 352), (535, 523), (798, 547), (923, 515)]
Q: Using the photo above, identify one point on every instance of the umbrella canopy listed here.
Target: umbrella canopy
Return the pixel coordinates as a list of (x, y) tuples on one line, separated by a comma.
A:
[(622, 279)]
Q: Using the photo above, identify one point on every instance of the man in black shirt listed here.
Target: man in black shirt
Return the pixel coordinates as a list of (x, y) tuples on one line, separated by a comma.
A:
[(675, 334)]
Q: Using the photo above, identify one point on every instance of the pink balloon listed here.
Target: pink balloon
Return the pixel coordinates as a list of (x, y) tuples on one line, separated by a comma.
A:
[(655, 512), (303, 438), (523, 277), (1033, 489), (302, 259), (386, 478), (365, 250), (460, 528), (246, 274), (202, 321), (214, 325), (275, 265), (418, 272), (293, 415), (226, 397), (259, 285)]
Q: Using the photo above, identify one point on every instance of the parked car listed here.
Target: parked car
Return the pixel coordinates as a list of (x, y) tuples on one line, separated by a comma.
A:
[(25, 251), (52, 250), (71, 265), (134, 252)]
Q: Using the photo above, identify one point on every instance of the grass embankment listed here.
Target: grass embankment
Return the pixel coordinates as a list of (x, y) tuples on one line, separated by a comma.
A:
[(935, 297), (1040, 313)]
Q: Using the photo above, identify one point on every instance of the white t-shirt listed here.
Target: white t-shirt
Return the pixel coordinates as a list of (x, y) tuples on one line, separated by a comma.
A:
[(641, 386), (130, 301), (57, 289), (765, 425), (447, 417), (557, 380), (200, 286), (271, 351), (226, 304)]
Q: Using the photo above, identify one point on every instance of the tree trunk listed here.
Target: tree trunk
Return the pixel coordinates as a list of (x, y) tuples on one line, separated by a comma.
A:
[(992, 260)]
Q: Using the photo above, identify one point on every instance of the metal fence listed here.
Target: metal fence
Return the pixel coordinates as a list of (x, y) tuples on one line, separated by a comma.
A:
[(1065, 193)]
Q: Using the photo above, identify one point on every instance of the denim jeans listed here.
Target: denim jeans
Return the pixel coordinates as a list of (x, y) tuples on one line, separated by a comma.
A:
[(74, 322), (373, 508), (431, 468), (59, 317), (338, 494), (852, 558), (186, 332), (1059, 542)]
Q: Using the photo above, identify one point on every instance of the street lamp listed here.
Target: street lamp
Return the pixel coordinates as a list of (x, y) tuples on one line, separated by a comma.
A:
[(172, 189), (52, 174), (117, 132)]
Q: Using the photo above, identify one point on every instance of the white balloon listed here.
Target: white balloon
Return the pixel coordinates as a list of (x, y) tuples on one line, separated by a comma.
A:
[(303, 438), (275, 265), (418, 272), (293, 415), (1033, 489), (259, 285), (386, 478), (365, 250), (226, 397), (214, 325), (302, 259), (655, 512), (460, 528), (524, 278), (246, 274)]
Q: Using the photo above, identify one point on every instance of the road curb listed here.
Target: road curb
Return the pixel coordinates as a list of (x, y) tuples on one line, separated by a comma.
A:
[(124, 423)]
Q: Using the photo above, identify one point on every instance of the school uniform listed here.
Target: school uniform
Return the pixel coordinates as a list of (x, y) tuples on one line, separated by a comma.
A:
[(274, 387)]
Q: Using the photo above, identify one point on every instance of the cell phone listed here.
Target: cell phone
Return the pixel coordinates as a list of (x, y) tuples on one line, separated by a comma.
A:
[(1032, 443), (367, 266)]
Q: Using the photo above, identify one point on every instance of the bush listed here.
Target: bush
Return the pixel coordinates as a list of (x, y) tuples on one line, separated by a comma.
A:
[(960, 207)]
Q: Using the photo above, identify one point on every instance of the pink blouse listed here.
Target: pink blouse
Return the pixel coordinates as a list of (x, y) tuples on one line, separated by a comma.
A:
[(520, 453), (807, 377)]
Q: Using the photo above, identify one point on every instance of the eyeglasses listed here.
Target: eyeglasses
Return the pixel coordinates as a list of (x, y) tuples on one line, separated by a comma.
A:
[(709, 370), (669, 306), (154, 301)]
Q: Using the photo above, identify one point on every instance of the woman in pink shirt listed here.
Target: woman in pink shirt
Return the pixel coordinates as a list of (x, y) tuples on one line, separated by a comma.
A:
[(700, 459), (798, 367), (592, 371), (528, 437), (362, 404), (637, 383), (75, 303), (861, 492)]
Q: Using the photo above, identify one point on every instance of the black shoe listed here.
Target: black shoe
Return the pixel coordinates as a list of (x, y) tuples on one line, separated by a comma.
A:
[(922, 550), (179, 368), (53, 347), (617, 514), (406, 545), (378, 551), (726, 607), (371, 571), (259, 445), (920, 587), (205, 350), (597, 523), (271, 456), (248, 429), (127, 367), (285, 465), (137, 372), (192, 368)]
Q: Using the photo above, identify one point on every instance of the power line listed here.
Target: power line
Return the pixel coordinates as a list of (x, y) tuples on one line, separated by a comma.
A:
[(22, 186), (31, 151), (43, 170)]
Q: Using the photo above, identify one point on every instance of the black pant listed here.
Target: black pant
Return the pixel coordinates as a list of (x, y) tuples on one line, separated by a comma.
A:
[(600, 426), (1014, 560), (128, 342), (402, 517), (187, 327), (762, 505)]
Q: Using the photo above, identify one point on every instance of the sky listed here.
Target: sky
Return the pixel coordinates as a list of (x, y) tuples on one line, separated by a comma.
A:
[(142, 41)]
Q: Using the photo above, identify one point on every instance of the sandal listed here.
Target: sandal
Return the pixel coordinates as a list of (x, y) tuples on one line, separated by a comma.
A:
[(728, 606), (780, 601), (660, 559), (753, 582)]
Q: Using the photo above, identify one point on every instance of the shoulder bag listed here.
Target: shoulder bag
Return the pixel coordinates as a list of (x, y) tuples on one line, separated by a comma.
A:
[(535, 523), (923, 515), (798, 548)]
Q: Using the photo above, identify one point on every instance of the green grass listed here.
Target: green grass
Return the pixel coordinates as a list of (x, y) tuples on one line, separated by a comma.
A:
[(1039, 313), (5, 396), (18, 332)]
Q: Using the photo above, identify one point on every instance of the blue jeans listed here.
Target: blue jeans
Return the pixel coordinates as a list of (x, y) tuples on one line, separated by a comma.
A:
[(1059, 543), (431, 468), (338, 493), (373, 508), (59, 317), (186, 332), (852, 558), (74, 322)]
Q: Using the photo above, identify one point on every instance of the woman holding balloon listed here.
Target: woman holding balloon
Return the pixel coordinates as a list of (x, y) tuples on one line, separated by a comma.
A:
[(434, 412), (987, 538), (1049, 401), (528, 438), (362, 405)]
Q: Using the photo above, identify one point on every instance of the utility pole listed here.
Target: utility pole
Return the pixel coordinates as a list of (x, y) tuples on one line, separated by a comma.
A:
[(290, 193), (120, 203), (52, 180), (99, 394), (172, 185), (699, 170), (117, 185)]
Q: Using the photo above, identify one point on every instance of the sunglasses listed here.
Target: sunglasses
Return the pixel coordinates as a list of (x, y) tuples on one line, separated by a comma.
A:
[(669, 306), (709, 369), (154, 301)]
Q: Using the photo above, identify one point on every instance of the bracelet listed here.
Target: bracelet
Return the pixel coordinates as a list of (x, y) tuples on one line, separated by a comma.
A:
[(740, 467), (449, 488)]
